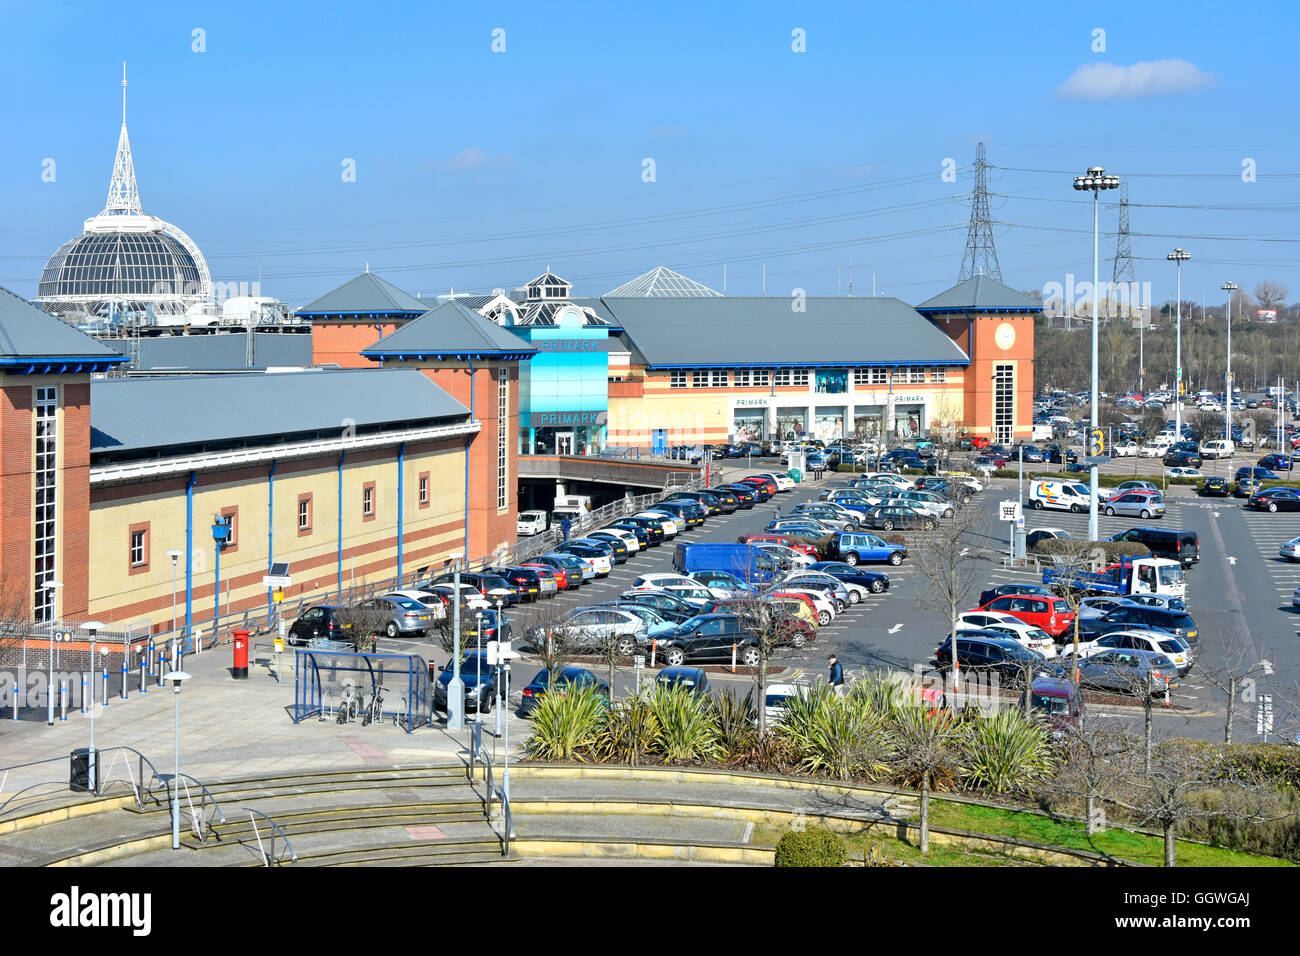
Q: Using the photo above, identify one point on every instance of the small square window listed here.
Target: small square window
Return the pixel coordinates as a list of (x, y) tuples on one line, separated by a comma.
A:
[(742, 378), (938, 375), (699, 379), (677, 380), (719, 379), (760, 376)]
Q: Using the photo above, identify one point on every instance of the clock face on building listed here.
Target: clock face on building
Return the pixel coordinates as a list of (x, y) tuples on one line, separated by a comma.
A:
[(1005, 336)]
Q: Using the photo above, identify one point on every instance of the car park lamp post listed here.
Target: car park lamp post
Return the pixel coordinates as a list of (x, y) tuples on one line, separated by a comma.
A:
[(175, 556), (1178, 257), (1230, 288), (1094, 179), (456, 688), (92, 627), (177, 678), (52, 591)]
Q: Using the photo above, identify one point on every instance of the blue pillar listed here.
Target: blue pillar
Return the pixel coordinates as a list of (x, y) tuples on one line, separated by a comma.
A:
[(468, 439), (270, 532), (189, 552), (401, 467), (343, 456)]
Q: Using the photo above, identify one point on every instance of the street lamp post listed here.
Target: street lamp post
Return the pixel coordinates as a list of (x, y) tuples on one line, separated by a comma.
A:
[(1230, 288), (92, 628), (177, 678), (175, 556), (1095, 179), (52, 587), (1178, 257), (456, 687)]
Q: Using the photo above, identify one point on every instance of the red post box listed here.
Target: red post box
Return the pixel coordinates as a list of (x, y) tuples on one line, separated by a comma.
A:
[(240, 671)]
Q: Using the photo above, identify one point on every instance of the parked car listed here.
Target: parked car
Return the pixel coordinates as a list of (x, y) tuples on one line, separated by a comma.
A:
[(693, 679), (1140, 504), (320, 622), (709, 637), (1128, 671), (890, 517), (1176, 649), (1290, 549), (391, 616), (778, 700), (990, 651), (1058, 701), (1215, 488), (988, 594), (565, 678), (1277, 462), (1052, 614), (1133, 616), (860, 547), (577, 571), (1275, 499), (652, 527), (1012, 627), (531, 522), (478, 676), (1185, 473), (670, 607)]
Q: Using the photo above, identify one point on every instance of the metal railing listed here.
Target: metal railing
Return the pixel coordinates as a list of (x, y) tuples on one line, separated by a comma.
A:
[(476, 751), (102, 780), (199, 822), (273, 858)]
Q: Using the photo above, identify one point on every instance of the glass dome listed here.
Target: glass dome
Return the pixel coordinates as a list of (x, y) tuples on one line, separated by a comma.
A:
[(117, 267)]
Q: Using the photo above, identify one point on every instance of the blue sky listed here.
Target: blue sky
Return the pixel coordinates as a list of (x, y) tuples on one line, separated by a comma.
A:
[(477, 169)]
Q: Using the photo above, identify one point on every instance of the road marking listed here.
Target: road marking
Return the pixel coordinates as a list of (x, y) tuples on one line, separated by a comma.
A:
[(1232, 560), (749, 832), (896, 628)]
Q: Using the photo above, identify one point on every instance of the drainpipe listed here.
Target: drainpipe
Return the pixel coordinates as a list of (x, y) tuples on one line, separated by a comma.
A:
[(343, 456), (401, 467), (189, 557), (270, 532), (468, 439)]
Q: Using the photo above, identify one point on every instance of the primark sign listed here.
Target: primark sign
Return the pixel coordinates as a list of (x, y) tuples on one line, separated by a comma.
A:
[(566, 419)]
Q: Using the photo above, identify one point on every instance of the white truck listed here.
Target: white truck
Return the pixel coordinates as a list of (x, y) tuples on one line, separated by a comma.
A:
[(572, 507)]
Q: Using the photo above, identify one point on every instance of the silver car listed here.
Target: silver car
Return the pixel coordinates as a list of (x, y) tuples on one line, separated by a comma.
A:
[(1129, 672), (1138, 504), (1290, 549)]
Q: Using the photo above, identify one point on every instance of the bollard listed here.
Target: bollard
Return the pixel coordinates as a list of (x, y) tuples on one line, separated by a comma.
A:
[(104, 695), (1167, 690), (161, 657), (83, 694), (733, 657), (151, 652), (123, 695), (63, 700), (15, 700), (144, 683), (654, 646)]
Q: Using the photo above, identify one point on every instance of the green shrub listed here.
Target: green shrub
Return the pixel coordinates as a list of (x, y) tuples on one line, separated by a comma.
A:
[(737, 723), (895, 539), (839, 737), (686, 728), (627, 733), (1007, 751), (1113, 550), (1234, 821), (567, 726), (815, 846)]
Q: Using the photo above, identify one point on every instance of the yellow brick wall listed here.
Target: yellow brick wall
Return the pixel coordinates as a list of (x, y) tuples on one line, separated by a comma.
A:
[(369, 547)]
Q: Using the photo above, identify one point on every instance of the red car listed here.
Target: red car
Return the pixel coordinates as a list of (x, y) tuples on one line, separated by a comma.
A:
[(561, 576), (801, 546), (1051, 614), (767, 483), (978, 443)]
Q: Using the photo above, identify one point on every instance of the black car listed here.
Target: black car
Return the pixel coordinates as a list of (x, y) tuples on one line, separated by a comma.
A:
[(986, 651), (1129, 617), (566, 677), (690, 512), (1215, 487), (873, 581), (653, 529), (621, 552), (669, 606), (709, 637), (727, 500), (713, 504), (693, 679), (528, 581), (746, 497), (319, 621), (479, 677), (1060, 455), (1275, 499), (889, 517), (1181, 459), (990, 594), (762, 492)]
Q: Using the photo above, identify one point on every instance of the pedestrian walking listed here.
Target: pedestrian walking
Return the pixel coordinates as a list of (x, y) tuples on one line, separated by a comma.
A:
[(565, 523), (837, 675)]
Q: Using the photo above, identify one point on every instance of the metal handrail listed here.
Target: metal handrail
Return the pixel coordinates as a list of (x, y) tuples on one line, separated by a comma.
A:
[(100, 780), (275, 828), (198, 822), (476, 749)]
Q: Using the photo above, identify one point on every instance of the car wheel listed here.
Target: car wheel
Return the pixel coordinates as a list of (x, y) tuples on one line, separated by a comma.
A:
[(824, 618), (391, 630), (851, 559), (1110, 512), (948, 513), (1272, 506), (1075, 509), (854, 597), (877, 587), (1144, 513), (889, 524), (798, 639), (1038, 505), (625, 646), (896, 558), (928, 526), (749, 656), (674, 656)]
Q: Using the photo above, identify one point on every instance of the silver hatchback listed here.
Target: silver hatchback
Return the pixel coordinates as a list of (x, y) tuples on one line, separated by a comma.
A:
[(1137, 504)]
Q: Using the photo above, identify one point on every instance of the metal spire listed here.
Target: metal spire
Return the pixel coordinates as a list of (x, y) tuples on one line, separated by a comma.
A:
[(123, 194), (980, 258)]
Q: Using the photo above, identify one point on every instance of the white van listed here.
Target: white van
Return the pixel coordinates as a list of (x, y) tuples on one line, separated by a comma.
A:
[(1219, 448), (1070, 496)]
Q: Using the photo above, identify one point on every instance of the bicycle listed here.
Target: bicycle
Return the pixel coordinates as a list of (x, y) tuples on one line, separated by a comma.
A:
[(348, 705), (375, 712)]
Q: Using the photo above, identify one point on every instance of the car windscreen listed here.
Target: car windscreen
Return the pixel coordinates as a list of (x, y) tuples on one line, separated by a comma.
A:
[(1050, 704)]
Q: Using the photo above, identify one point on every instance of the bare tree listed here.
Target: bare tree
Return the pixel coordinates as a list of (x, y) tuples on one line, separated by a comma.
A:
[(950, 569), (1270, 294), (1095, 754), (774, 630)]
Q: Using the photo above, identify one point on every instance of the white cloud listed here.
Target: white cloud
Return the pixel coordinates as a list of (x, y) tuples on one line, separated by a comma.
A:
[(474, 158), (1111, 81)]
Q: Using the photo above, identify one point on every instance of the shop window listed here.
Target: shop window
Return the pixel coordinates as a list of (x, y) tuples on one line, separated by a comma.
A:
[(832, 381)]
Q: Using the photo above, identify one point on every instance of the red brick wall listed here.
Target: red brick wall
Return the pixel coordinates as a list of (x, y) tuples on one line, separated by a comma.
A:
[(341, 342), (74, 480), (16, 498), (975, 336)]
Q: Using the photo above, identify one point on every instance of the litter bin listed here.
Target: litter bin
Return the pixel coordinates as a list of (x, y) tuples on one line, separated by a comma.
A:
[(79, 771), (240, 670)]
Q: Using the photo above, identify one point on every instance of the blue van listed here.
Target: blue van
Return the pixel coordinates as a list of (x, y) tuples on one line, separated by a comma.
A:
[(748, 563)]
